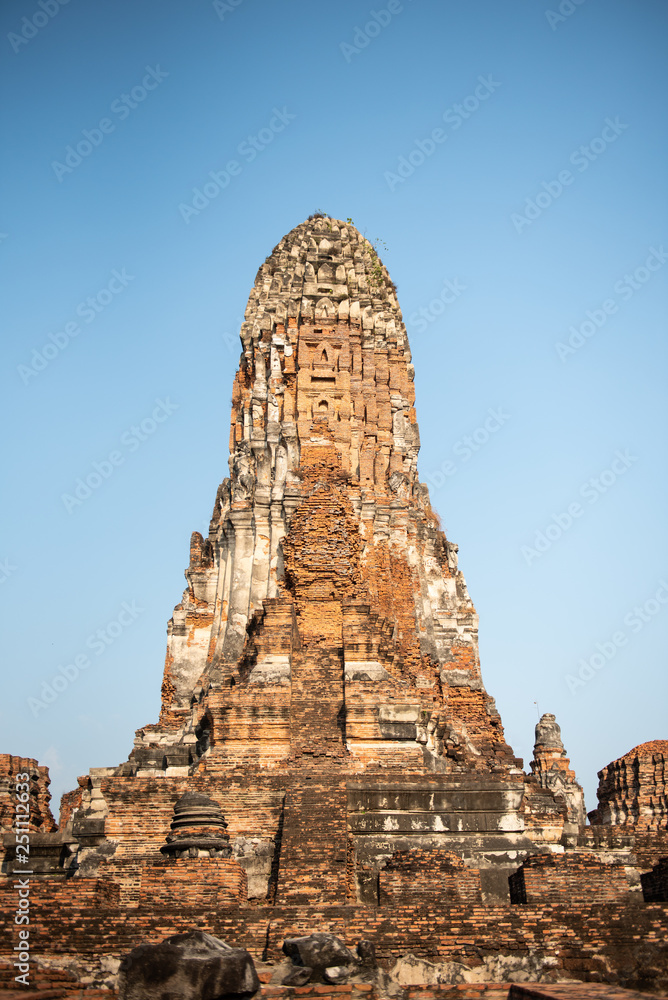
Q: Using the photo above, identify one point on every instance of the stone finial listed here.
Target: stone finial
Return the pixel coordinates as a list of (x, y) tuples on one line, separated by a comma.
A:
[(548, 732), (198, 829), (552, 768)]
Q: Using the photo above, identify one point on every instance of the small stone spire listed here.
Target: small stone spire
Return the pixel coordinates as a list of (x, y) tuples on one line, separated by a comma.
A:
[(198, 829), (552, 768)]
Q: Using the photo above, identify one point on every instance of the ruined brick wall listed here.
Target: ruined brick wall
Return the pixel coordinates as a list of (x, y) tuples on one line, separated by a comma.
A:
[(644, 847), (650, 847), (633, 791), (41, 819), (248, 725), (314, 851), (71, 801), (206, 882), (575, 877), (624, 945), (434, 877), (483, 725)]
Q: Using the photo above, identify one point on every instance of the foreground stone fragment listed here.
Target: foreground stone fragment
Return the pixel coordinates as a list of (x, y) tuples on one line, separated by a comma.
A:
[(327, 959), (296, 975), (535, 967), (318, 950), (193, 966)]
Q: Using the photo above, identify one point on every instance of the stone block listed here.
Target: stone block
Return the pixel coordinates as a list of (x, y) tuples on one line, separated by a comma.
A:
[(193, 966)]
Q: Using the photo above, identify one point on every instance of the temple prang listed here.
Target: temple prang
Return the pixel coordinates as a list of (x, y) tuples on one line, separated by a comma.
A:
[(327, 758)]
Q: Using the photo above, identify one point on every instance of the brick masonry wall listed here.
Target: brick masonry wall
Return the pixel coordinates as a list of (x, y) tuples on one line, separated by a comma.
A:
[(41, 819), (649, 848), (206, 882), (314, 841), (427, 876), (574, 877), (633, 791), (62, 985), (605, 942)]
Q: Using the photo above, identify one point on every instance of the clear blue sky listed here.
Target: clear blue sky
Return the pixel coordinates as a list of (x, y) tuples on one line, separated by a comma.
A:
[(540, 197)]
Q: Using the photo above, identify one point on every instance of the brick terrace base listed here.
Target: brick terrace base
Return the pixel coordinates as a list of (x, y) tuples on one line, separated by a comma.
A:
[(625, 945), (59, 990)]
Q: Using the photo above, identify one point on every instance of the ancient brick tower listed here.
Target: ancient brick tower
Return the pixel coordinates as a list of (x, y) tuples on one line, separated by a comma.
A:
[(324, 576), (322, 681), (327, 757)]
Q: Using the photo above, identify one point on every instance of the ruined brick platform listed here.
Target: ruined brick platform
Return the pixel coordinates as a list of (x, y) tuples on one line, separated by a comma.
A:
[(327, 756)]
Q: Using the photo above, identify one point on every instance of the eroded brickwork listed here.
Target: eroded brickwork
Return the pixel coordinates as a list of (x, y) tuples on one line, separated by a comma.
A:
[(204, 882), (591, 942), (633, 791), (428, 877), (575, 877), (39, 811)]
